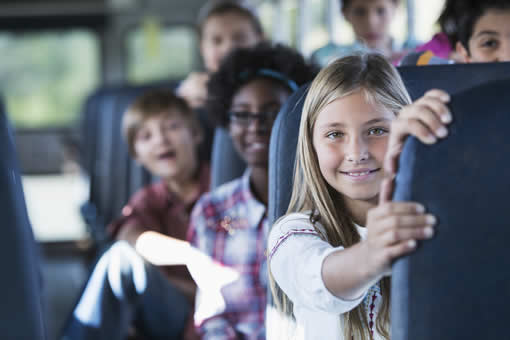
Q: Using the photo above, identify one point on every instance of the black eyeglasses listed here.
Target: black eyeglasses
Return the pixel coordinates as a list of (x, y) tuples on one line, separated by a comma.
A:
[(245, 118)]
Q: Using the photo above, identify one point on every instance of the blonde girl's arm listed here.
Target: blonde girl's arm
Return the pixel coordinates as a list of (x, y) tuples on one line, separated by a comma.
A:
[(295, 256), (392, 231), (393, 227)]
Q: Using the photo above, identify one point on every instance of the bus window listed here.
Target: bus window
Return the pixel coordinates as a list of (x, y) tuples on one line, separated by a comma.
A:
[(425, 22), (157, 53), (317, 35), (280, 20), (44, 78)]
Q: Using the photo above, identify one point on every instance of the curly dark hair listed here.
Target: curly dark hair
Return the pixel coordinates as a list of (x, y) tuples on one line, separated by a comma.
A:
[(470, 11), (242, 65)]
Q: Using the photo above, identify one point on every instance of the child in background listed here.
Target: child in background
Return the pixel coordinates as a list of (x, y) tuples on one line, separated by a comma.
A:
[(230, 223), (371, 21), (223, 25), (484, 31), (162, 134), (330, 256), (472, 31)]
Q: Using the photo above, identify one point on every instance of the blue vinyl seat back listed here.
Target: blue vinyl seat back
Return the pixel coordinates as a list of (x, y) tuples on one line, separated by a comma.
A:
[(452, 78), (114, 175), (226, 163), (457, 285), (418, 79), (282, 154), (20, 286)]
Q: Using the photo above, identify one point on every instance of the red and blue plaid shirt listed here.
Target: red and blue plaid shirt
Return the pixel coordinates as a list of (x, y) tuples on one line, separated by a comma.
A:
[(230, 225)]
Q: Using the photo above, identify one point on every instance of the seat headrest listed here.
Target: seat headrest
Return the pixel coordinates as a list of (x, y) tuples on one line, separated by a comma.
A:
[(226, 164), (452, 78), (282, 153), (456, 285)]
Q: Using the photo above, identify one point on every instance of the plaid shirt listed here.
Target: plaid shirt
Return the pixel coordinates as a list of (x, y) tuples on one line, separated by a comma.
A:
[(231, 226)]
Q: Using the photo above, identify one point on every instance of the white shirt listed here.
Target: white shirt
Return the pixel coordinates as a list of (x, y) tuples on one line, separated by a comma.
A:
[(296, 254)]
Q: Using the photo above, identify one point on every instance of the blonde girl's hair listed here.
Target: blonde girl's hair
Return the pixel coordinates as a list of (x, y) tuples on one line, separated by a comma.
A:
[(382, 85)]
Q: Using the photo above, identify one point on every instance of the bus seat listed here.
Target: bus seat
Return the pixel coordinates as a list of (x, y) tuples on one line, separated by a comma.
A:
[(20, 288), (282, 153), (452, 78), (114, 176), (457, 286), (418, 79), (226, 164)]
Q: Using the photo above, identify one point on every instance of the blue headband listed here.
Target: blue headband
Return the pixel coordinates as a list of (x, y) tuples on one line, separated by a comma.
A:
[(265, 72)]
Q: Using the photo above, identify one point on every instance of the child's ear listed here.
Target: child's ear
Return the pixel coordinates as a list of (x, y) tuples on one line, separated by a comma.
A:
[(462, 52)]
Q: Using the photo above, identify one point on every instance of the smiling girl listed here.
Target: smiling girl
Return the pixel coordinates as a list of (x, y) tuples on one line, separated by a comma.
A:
[(330, 256)]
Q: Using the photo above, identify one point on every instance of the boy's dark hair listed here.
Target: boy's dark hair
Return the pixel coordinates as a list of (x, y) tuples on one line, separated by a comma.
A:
[(245, 64), (220, 7), (152, 104), (470, 11), (448, 21)]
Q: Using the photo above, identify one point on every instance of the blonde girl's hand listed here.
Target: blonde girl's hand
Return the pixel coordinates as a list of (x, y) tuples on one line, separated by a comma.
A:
[(393, 229), (426, 119)]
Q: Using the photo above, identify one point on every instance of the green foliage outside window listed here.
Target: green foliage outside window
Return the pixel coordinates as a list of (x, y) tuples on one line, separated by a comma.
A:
[(44, 77)]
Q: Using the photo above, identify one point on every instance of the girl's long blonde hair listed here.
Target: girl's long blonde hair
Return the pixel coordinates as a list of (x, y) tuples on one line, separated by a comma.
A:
[(382, 85)]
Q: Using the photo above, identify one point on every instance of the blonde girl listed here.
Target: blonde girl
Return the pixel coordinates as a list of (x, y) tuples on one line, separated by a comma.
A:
[(330, 256)]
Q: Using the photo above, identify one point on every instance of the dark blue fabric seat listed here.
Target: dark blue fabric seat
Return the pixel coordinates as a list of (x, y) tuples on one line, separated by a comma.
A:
[(226, 164), (20, 287), (457, 285)]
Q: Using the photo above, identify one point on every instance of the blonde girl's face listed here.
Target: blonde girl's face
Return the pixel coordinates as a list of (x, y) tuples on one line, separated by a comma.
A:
[(350, 137)]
